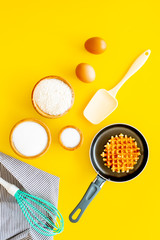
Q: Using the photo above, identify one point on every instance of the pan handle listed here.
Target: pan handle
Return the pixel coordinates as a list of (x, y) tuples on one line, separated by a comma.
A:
[(91, 192)]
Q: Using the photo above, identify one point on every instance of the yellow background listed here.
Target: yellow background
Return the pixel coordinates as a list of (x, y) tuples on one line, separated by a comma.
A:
[(40, 38)]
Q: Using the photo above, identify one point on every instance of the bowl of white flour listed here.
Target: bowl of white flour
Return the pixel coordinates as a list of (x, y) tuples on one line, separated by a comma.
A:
[(52, 97)]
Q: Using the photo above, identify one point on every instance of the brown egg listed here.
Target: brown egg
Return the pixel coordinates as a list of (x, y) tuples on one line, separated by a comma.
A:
[(95, 45), (85, 72)]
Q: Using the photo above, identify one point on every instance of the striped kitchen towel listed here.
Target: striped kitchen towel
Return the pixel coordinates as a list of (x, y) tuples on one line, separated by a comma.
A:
[(13, 225)]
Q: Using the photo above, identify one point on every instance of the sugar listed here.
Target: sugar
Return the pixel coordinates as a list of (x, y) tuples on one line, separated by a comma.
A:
[(53, 96), (30, 138), (70, 137)]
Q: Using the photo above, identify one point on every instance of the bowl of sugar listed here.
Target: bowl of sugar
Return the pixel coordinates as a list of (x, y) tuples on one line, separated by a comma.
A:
[(52, 97), (70, 137), (30, 138)]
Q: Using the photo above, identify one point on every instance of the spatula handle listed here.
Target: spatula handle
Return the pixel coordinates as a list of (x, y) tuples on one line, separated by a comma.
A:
[(11, 189), (138, 63)]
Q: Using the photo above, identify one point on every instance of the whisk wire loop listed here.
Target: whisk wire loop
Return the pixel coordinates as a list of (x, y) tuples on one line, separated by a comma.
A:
[(48, 224), (46, 208), (25, 207), (37, 211)]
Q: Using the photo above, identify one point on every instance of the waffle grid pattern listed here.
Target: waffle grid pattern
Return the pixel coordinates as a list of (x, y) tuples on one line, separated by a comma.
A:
[(121, 153)]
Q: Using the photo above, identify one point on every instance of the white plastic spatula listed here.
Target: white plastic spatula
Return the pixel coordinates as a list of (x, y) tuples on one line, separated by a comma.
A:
[(104, 102)]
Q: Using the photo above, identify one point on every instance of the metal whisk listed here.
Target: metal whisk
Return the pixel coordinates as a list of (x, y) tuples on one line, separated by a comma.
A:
[(43, 216)]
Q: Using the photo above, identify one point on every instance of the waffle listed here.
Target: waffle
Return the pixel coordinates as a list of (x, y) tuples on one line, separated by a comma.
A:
[(121, 153)]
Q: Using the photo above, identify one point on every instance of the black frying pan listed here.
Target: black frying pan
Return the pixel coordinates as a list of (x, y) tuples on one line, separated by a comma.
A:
[(105, 173)]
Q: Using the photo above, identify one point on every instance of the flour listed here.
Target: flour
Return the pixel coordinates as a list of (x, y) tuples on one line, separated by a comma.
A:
[(53, 96), (29, 138)]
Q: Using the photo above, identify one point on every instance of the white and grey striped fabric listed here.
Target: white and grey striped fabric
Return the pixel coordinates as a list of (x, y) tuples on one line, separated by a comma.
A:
[(13, 225)]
